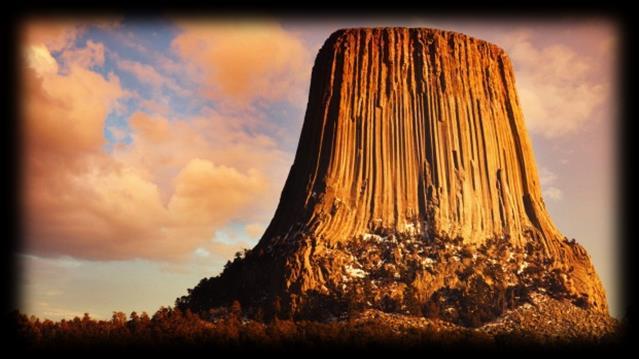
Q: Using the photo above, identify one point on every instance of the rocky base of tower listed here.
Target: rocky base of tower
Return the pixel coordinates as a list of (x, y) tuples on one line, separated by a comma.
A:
[(404, 273), (541, 320)]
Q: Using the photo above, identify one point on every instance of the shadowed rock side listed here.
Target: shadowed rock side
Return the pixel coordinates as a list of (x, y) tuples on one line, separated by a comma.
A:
[(413, 189)]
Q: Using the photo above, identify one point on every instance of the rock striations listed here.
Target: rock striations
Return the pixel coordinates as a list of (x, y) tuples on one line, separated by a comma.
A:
[(414, 189)]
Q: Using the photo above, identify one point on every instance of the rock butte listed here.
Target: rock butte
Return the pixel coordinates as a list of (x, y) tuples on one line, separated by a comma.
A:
[(416, 133)]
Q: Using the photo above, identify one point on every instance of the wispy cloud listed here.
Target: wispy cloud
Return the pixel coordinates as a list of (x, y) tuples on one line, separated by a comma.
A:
[(147, 74), (547, 178), (92, 54), (560, 87), (553, 193), (54, 35)]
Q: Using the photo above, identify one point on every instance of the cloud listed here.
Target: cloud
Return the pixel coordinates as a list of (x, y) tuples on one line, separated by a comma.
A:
[(65, 113), (149, 75), (58, 34), (161, 197), (144, 73), (220, 139), (201, 252), (54, 35), (90, 55), (119, 134), (254, 230), (118, 214), (242, 62), (157, 106), (162, 61), (40, 60), (55, 313), (553, 193), (153, 129), (111, 207), (547, 178), (207, 194), (560, 88)]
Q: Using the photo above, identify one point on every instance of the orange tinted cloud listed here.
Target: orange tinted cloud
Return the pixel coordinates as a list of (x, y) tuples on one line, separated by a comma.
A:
[(59, 34), (243, 62), (143, 72), (559, 88), (162, 197), (90, 55), (254, 230), (112, 207), (149, 75), (201, 187), (114, 212), (163, 147), (64, 113), (147, 128), (54, 35)]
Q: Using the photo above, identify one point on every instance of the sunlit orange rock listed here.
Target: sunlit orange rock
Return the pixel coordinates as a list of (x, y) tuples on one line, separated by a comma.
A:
[(413, 166)]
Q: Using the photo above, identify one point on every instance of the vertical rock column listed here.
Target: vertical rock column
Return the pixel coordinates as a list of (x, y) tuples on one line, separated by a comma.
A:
[(411, 128), (418, 131)]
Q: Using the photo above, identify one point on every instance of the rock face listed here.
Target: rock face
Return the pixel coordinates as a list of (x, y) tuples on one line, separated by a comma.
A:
[(414, 188)]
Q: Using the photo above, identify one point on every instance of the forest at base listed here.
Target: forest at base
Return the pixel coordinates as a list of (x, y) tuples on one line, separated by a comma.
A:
[(227, 328)]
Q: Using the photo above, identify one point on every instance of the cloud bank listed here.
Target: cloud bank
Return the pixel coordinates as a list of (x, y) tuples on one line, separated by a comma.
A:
[(160, 196), (243, 62)]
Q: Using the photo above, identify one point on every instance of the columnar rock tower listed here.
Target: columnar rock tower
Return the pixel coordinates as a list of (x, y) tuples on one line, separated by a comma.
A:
[(414, 176)]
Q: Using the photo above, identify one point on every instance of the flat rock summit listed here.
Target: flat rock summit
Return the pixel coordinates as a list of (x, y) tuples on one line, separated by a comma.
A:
[(413, 192)]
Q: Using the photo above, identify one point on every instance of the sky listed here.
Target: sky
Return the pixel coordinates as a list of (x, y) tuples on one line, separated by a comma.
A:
[(155, 149)]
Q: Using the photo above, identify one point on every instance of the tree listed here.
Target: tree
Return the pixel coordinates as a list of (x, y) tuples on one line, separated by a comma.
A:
[(276, 308), (144, 318), (431, 309), (390, 305), (413, 306), (259, 315), (236, 309), (118, 318)]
